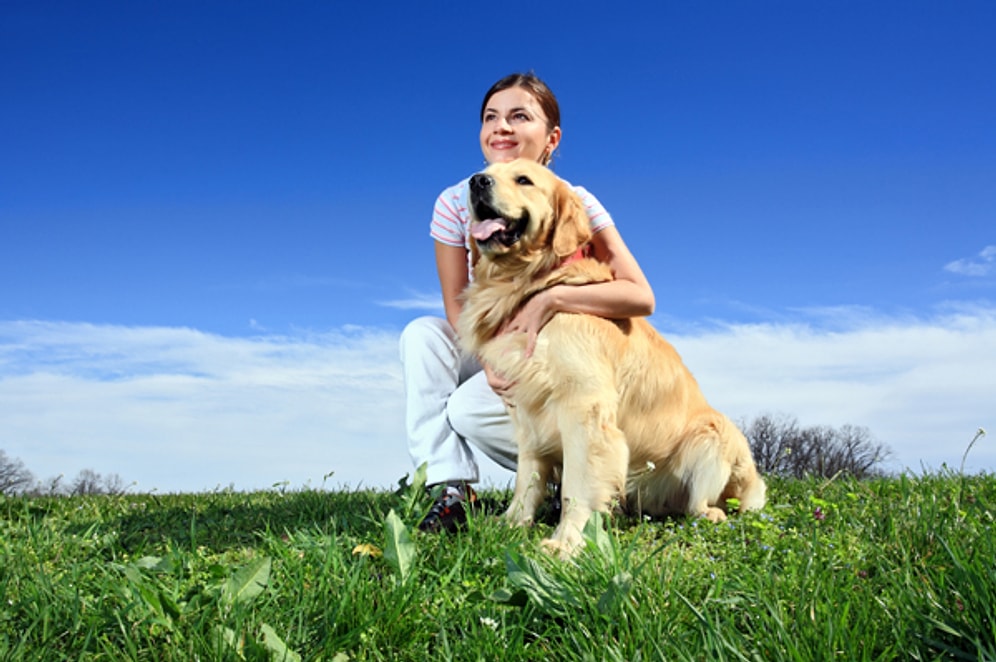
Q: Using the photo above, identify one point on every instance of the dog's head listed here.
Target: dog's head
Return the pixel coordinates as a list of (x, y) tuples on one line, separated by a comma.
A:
[(522, 209)]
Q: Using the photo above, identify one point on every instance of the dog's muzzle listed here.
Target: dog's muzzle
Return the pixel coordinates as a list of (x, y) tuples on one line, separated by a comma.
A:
[(491, 226), (480, 183)]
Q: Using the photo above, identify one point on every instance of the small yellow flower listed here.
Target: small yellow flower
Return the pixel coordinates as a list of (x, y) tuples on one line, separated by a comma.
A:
[(366, 549)]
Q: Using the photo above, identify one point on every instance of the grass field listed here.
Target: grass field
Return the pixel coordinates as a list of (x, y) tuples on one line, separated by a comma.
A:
[(897, 568)]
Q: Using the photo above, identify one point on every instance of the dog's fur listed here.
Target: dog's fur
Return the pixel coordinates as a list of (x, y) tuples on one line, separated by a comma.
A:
[(605, 404)]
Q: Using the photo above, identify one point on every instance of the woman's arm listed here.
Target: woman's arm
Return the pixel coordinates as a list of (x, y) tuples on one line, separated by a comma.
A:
[(628, 295), (451, 264)]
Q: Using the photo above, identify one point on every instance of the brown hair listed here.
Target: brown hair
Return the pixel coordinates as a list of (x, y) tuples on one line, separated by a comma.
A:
[(532, 84)]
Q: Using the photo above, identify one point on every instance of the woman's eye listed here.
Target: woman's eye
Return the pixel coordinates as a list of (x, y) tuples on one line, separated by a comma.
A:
[(523, 180)]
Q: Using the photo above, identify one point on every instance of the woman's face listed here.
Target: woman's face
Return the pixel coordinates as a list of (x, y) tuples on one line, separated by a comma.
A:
[(514, 126)]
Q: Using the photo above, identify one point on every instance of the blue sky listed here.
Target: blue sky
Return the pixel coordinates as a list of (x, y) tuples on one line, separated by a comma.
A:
[(214, 216)]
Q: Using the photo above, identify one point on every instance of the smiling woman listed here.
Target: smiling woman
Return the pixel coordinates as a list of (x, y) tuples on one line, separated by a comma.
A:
[(520, 118), (452, 401)]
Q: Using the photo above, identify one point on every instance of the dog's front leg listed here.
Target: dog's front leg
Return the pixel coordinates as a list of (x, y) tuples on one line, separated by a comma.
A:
[(531, 476), (595, 462), (532, 473)]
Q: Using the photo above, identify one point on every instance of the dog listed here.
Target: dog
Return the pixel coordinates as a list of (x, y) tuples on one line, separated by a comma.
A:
[(606, 405)]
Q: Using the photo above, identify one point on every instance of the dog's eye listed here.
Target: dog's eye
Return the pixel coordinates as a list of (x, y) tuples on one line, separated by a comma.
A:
[(523, 180)]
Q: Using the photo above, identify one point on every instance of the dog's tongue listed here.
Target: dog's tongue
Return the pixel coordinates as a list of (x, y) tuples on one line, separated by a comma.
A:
[(483, 230)]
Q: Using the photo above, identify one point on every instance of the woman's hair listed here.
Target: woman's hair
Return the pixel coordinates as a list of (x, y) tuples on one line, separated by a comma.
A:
[(536, 87)]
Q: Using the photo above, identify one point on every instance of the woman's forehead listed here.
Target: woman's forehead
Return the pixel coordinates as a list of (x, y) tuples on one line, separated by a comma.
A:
[(513, 98)]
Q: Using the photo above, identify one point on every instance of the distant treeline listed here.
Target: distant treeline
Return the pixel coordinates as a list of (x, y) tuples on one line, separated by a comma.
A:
[(15, 478), (780, 447)]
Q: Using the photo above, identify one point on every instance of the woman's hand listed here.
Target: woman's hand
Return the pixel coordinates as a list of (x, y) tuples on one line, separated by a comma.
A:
[(536, 312), (532, 317), (500, 385)]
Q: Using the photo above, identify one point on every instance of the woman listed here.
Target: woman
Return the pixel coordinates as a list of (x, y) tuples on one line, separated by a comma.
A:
[(451, 399)]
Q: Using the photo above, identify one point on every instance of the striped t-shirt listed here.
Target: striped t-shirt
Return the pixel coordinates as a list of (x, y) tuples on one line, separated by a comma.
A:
[(451, 216)]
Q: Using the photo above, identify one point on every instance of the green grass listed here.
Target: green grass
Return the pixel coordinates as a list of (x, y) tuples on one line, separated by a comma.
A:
[(897, 568)]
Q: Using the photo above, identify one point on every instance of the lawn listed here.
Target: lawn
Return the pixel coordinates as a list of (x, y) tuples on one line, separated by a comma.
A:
[(898, 568)]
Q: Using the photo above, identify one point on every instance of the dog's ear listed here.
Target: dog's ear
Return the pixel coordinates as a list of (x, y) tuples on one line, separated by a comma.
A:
[(475, 253), (571, 227)]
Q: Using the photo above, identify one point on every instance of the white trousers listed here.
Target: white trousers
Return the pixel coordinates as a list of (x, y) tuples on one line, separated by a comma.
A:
[(448, 403)]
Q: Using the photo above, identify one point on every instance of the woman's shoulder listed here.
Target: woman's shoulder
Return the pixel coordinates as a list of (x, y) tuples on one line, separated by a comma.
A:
[(597, 213), (577, 188), (456, 191), (449, 214)]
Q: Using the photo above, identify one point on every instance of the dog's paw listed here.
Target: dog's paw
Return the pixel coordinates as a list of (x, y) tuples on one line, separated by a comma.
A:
[(561, 549), (517, 517), (566, 541), (714, 515)]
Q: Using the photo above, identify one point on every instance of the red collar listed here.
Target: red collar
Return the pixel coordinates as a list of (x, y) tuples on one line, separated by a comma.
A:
[(580, 254)]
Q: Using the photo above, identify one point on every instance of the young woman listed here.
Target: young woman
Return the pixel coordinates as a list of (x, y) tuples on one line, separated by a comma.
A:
[(451, 400)]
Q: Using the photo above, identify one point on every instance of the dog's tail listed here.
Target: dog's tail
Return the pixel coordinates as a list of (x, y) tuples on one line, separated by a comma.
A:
[(753, 492), (746, 484)]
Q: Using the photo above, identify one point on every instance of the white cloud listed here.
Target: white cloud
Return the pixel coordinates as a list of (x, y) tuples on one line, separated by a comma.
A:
[(432, 303), (179, 409), (981, 265), (923, 387)]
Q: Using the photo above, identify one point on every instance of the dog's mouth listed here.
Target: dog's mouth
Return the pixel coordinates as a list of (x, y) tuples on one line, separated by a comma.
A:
[(492, 228)]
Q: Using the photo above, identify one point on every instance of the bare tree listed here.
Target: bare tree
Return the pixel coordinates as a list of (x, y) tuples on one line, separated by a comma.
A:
[(860, 452), (89, 481), (14, 476), (113, 484), (49, 487), (781, 447), (771, 442)]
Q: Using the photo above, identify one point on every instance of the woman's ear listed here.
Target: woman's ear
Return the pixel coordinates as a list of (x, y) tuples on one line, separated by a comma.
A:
[(552, 142), (553, 139), (571, 227)]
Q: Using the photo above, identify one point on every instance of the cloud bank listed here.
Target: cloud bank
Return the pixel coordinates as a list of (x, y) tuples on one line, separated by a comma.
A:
[(981, 265), (177, 409)]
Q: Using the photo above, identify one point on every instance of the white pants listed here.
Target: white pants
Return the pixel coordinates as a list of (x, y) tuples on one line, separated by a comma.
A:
[(448, 403)]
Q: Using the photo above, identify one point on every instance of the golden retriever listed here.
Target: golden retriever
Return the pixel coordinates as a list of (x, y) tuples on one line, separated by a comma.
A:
[(605, 404)]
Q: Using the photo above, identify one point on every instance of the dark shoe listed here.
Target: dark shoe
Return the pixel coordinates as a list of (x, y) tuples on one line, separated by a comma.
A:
[(449, 512), (550, 511)]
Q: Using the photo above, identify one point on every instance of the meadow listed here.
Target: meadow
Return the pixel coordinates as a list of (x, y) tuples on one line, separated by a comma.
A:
[(897, 568)]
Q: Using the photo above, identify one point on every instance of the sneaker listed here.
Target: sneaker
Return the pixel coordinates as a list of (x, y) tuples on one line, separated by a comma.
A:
[(449, 512), (550, 511)]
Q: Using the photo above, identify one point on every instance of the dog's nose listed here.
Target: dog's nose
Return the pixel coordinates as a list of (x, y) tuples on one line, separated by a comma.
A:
[(481, 182)]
